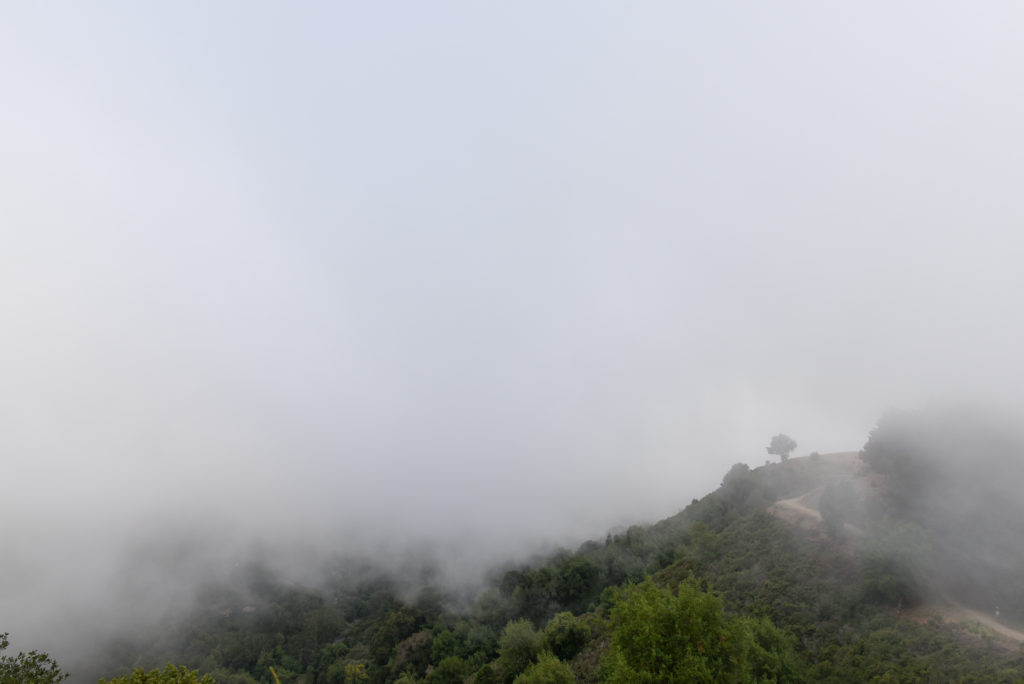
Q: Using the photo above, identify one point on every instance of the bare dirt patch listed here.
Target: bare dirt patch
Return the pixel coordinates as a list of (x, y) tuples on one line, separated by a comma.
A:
[(803, 511), (979, 623)]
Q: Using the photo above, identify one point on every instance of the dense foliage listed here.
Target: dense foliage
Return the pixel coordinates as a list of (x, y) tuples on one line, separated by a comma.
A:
[(722, 591), (661, 636), (547, 670), (169, 675)]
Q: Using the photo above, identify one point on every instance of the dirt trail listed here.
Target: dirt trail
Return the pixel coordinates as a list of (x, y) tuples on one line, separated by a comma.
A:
[(991, 623), (802, 511), (954, 611), (794, 511)]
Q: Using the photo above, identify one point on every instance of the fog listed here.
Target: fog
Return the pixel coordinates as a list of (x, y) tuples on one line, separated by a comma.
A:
[(477, 279), (952, 477)]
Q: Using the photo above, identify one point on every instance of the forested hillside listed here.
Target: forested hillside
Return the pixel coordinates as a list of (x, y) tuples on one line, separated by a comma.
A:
[(876, 579)]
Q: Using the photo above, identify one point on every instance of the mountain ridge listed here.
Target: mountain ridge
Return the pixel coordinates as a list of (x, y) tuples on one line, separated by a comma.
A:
[(821, 568)]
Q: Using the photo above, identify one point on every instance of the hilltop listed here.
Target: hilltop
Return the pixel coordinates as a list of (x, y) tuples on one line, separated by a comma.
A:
[(822, 471), (885, 564), (848, 469)]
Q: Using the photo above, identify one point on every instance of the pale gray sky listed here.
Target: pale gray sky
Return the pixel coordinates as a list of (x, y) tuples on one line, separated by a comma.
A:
[(497, 274)]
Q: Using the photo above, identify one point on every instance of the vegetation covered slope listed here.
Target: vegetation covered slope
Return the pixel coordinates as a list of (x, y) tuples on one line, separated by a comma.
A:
[(730, 589)]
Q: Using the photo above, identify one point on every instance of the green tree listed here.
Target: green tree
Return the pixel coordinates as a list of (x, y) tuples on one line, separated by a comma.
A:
[(575, 582), (565, 636), (169, 675), (34, 667), (518, 647), (485, 675), (355, 673), (660, 637), (781, 446), (547, 670), (451, 670), (443, 646)]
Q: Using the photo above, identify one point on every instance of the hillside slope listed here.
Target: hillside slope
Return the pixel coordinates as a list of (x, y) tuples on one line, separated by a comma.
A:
[(831, 568), (848, 469), (804, 509)]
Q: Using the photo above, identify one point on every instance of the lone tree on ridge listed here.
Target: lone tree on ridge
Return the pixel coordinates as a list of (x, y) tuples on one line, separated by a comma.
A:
[(781, 446)]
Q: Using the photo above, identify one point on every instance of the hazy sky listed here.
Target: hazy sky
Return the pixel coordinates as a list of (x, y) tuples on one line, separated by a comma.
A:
[(486, 273)]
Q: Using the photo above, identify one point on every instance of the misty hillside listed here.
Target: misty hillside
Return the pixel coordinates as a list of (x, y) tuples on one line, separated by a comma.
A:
[(898, 563), (330, 332)]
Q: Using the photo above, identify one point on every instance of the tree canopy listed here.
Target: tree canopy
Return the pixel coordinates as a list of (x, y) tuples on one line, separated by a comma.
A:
[(34, 667), (169, 675), (781, 446), (661, 636)]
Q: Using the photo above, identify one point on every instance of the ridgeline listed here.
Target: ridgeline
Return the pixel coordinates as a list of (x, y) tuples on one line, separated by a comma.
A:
[(902, 562)]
